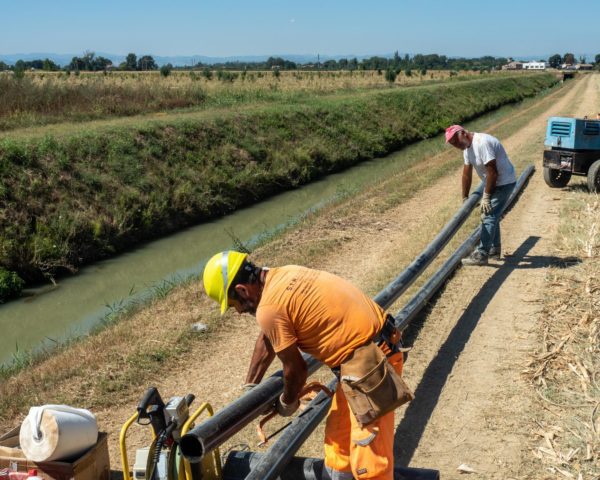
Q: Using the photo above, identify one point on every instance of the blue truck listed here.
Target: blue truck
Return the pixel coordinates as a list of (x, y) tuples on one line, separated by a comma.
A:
[(572, 148)]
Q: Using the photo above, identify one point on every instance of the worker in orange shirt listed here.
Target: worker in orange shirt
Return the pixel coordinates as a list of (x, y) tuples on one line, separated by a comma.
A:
[(300, 309)]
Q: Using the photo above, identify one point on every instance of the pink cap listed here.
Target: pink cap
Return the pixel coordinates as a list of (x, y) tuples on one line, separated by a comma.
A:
[(451, 131)]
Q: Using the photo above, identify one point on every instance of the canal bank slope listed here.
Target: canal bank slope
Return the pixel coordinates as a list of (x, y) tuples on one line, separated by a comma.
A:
[(73, 198)]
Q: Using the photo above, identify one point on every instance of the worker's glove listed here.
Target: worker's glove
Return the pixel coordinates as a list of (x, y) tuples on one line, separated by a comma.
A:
[(486, 204), (285, 409)]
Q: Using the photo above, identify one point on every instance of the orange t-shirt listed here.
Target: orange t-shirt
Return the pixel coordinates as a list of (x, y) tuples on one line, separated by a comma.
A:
[(325, 315)]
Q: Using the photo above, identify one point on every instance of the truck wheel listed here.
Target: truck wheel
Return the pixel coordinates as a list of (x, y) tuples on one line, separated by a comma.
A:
[(556, 178), (593, 177)]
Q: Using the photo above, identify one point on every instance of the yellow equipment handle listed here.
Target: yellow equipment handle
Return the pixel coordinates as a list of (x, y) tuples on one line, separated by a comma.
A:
[(122, 435), (211, 465), (123, 447)]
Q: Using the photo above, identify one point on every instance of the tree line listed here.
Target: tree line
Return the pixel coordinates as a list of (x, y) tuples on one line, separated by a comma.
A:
[(90, 62), (396, 63), (556, 60)]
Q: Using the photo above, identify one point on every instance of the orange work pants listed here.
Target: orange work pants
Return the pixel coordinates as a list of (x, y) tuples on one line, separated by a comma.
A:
[(352, 452)]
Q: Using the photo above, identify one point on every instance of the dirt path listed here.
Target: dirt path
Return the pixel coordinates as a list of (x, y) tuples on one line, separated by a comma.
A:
[(475, 407), (472, 405)]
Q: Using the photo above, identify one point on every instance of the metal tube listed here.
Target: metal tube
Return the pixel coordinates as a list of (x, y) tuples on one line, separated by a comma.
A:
[(231, 419), (275, 460), (400, 284), (416, 303)]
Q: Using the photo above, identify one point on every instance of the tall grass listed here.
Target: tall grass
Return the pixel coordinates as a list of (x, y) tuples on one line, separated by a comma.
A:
[(45, 98), (27, 101), (87, 195)]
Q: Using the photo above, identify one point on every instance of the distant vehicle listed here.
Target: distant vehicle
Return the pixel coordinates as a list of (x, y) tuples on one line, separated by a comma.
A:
[(572, 148)]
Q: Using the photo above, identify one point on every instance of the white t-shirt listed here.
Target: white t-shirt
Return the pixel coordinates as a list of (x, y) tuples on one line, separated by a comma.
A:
[(483, 150)]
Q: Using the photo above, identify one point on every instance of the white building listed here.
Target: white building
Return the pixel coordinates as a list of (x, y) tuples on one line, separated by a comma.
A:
[(535, 65), (512, 65)]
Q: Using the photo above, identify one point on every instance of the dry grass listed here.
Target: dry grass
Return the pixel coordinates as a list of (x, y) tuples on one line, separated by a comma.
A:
[(565, 370), (312, 81), (43, 98)]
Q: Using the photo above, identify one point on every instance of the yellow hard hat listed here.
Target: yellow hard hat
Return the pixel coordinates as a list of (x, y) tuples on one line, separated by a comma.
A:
[(219, 272)]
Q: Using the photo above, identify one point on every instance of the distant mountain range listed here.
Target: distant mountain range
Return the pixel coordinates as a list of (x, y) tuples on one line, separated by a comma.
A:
[(182, 60), (176, 60)]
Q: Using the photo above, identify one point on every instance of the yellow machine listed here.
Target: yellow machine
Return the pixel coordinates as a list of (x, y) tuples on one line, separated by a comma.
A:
[(169, 422)]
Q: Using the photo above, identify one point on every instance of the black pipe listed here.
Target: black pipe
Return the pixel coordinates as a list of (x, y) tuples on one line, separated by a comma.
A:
[(215, 430), (228, 421), (212, 432), (277, 457), (400, 284), (416, 303), (239, 464), (280, 454)]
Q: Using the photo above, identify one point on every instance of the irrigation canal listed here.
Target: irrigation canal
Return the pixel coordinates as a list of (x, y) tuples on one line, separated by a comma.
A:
[(53, 313), (50, 314)]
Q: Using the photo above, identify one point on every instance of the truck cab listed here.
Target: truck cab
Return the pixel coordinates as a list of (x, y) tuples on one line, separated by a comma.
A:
[(572, 148)]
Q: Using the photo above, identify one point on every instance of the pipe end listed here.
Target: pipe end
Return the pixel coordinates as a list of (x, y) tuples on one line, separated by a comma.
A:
[(191, 448)]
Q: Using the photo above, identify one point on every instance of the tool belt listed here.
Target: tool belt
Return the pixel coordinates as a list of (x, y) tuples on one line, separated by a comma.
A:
[(370, 383), (390, 335)]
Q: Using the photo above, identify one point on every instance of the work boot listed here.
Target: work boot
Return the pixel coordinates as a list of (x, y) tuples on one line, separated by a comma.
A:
[(495, 252), (476, 259)]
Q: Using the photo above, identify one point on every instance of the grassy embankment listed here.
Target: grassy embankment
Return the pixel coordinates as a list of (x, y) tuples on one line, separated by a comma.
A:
[(77, 197), (43, 98), (108, 369), (564, 371)]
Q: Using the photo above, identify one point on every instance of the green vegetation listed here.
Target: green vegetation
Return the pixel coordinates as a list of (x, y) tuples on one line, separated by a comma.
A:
[(86, 195), (165, 70), (89, 62), (10, 284)]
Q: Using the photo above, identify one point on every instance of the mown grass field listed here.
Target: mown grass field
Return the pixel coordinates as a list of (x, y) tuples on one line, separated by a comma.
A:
[(90, 192)]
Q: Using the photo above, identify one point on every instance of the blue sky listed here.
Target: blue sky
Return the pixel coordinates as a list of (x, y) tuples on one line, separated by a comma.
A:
[(256, 27)]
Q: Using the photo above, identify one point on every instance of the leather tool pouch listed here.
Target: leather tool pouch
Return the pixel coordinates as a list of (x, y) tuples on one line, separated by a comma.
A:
[(371, 384)]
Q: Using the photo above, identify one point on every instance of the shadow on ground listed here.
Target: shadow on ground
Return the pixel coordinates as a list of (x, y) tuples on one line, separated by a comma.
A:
[(578, 187), (419, 411)]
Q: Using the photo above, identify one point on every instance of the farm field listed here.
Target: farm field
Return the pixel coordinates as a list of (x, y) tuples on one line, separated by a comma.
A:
[(480, 398), (54, 97)]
